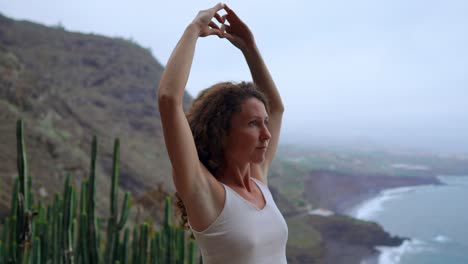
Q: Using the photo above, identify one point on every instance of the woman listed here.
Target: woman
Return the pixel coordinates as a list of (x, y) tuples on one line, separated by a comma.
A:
[(221, 151)]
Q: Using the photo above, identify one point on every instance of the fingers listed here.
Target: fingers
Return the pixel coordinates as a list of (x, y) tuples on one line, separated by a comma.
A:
[(229, 10), (213, 25), (226, 28), (213, 31), (223, 28), (228, 37), (218, 7), (231, 16), (219, 18), (226, 7), (225, 18)]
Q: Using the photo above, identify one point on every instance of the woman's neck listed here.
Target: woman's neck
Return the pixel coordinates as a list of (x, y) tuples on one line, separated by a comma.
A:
[(237, 175)]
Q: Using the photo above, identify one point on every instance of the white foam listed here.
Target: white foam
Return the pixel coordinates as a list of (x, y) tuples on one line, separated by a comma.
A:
[(370, 208), (393, 255), (441, 239), (322, 212)]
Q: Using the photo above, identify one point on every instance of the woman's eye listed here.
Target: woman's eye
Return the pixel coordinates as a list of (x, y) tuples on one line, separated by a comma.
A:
[(252, 123)]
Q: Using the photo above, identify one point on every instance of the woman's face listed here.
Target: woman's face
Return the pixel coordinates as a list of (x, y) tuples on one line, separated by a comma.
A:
[(248, 136)]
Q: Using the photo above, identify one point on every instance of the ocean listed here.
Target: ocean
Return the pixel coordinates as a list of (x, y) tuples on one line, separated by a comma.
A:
[(434, 217)]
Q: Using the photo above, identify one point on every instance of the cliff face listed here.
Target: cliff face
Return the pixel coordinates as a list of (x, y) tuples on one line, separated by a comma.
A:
[(347, 240), (340, 191), (335, 239)]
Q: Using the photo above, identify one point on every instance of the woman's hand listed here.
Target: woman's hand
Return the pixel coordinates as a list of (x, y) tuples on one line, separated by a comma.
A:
[(237, 32), (203, 21)]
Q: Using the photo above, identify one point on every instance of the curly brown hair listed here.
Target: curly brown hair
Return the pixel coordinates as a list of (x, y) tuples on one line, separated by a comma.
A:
[(209, 118)]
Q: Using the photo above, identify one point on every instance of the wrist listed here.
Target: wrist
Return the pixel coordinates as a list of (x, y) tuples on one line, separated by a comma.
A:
[(250, 49), (193, 28)]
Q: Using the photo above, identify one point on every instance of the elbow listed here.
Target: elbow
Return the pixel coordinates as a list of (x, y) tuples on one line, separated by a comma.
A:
[(281, 108), (166, 100), (277, 109), (167, 94)]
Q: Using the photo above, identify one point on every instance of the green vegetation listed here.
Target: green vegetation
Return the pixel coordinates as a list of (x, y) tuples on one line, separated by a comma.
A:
[(47, 128), (290, 182), (63, 233), (302, 235)]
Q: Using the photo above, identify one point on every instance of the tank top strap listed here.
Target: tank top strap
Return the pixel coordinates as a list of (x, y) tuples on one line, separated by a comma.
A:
[(264, 188)]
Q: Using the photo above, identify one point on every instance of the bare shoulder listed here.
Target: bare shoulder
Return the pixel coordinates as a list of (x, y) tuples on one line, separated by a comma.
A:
[(205, 202)]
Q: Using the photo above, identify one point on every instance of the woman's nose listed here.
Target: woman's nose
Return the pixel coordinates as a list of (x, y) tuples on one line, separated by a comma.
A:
[(265, 134)]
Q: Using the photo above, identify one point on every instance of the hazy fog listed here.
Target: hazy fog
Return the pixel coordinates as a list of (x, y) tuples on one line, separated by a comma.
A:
[(373, 72)]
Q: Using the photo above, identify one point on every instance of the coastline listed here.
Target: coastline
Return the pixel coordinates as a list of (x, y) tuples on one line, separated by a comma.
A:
[(354, 241), (346, 193), (370, 207), (375, 201), (342, 192), (372, 204)]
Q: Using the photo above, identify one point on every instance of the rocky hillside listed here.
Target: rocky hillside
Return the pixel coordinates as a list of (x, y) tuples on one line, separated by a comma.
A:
[(67, 87)]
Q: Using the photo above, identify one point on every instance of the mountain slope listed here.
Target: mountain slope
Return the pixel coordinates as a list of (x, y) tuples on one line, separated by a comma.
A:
[(69, 86)]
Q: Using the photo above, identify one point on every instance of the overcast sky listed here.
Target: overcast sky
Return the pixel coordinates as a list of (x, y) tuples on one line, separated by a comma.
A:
[(391, 72)]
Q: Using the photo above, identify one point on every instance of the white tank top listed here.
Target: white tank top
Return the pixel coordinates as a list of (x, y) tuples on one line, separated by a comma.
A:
[(245, 234)]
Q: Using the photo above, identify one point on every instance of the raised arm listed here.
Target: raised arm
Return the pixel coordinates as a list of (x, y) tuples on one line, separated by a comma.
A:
[(240, 35), (177, 134)]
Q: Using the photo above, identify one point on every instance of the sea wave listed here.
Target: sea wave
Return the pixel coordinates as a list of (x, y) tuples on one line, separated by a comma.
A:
[(393, 255), (441, 239), (424, 244), (370, 208)]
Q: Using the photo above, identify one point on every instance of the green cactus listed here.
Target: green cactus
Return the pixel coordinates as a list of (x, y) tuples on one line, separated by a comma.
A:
[(66, 231), (114, 227), (143, 247), (84, 252), (59, 235), (56, 233), (30, 192), (153, 250), (125, 247), (168, 213), (25, 254), (180, 246), (36, 257), (1, 252), (99, 226), (135, 251), (158, 253), (5, 239), (24, 221), (82, 255), (22, 173), (192, 252), (12, 230), (92, 236)]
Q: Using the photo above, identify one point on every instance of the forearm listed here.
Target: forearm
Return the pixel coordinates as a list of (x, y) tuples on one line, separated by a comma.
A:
[(262, 78), (175, 76)]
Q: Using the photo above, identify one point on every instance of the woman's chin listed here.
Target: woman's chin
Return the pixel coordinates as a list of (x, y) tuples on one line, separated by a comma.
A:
[(258, 159)]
